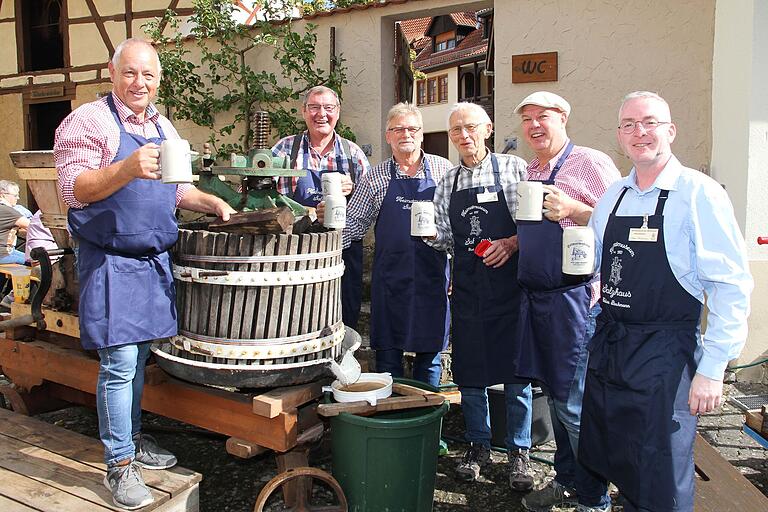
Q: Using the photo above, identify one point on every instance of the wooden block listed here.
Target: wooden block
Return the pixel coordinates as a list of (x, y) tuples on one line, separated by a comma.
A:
[(273, 402), (40, 158), (55, 321), (387, 404), (243, 449), (720, 486), (453, 396), (264, 221), (754, 420), (406, 390)]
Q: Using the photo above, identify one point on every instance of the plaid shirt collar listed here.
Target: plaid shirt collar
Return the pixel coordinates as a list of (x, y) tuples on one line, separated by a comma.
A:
[(127, 115)]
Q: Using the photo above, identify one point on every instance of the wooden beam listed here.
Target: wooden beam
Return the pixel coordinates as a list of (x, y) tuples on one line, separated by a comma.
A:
[(64, 29), (172, 7), (278, 400), (156, 13), (243, 449), (128, 18), (387, 404), (101, 27)]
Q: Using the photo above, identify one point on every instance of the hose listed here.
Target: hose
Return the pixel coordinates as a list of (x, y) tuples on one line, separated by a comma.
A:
[(750, 365)]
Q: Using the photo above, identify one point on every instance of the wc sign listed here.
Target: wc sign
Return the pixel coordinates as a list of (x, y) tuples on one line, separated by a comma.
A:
[(534, 67)]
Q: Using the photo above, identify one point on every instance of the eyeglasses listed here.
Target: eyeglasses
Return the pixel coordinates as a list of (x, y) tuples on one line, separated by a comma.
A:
[(314, 108), (649, 125), (469, 128), (400, 130)]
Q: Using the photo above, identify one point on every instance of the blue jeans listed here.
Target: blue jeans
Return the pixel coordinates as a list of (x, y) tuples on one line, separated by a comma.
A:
[(426, 365), (566, 423), (15, 256), (118, 398), (477, 421)]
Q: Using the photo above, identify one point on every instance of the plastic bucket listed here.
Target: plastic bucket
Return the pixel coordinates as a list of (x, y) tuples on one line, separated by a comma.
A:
[(388, 462)]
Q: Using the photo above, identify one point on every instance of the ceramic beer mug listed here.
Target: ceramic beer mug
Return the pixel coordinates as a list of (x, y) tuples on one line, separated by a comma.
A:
[(176, 161), (423, 219), (335, 212), (578, 250), (530, 200), (331, 183)]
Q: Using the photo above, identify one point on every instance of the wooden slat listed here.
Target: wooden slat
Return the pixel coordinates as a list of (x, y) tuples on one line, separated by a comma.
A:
[(266, 247), (273, 402), (62, 473), (387, 404), (9, 505), (41, 161), (85, 449), (721, 486), (298, 323), (18, 488)]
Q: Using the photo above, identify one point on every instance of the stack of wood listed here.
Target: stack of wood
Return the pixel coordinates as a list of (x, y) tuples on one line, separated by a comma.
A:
[(758, 421)]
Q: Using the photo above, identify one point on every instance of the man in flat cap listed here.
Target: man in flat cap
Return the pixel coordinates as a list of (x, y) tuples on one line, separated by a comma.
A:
[(557, 312)]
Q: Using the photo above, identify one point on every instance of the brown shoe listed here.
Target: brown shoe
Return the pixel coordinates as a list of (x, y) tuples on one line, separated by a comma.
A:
[(520, 472)]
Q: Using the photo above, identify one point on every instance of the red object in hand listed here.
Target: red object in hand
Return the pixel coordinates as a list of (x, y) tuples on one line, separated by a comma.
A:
[(762, 240), (482, 247)]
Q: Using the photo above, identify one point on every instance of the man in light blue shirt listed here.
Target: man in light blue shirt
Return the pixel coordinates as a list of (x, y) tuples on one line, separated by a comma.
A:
[(666, 238)]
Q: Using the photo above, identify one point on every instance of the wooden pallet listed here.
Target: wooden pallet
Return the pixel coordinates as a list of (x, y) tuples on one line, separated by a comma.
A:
[(47, 468)]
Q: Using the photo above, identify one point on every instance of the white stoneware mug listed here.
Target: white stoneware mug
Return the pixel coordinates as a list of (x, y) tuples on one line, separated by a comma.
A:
[(331, 182), (578, 250), (423, 219), (176, 161), (530, 200), (335, 212)]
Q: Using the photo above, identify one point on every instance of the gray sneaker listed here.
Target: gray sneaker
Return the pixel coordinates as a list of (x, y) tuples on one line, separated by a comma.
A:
[(149, 455), (476, 456), (584, 508), (520, 471), (550, 496), (127, 486)]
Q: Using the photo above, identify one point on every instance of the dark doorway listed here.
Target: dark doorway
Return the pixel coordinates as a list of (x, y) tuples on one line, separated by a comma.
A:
[(43, 42), (44, 118), (436, 143)]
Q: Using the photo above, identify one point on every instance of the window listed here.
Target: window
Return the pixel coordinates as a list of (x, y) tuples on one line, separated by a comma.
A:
[(42, 41), (445, 41), (432, 90), (421, 92)]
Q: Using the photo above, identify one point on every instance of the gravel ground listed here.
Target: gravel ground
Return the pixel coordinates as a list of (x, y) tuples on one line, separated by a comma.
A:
[(232, 485)]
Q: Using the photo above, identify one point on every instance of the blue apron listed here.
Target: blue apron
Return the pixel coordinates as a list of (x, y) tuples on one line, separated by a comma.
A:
[(553, 309), (126, 284), (409, 283), (636, 428), (309, 192), (485, 301)]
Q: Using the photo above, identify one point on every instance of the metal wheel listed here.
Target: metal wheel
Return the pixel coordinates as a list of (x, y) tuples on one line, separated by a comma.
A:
[(302, 498)]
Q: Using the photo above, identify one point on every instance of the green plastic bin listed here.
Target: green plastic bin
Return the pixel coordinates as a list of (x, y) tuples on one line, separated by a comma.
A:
[(388, 462)]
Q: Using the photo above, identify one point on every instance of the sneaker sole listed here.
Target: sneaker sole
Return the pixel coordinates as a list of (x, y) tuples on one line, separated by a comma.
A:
[(144, 503), (154, 468), (521, 487)]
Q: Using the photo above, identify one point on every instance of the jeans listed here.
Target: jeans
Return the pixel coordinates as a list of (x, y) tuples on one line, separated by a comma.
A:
[(566, 422), (477, 421), (15, 256), (118, 398), (426, 365)]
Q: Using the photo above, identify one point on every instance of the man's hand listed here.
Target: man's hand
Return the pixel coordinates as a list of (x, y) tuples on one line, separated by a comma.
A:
[(558, 204), (320, 211), (144, 163), (223, 210), (346, 185), (705, 394), (500, 251)]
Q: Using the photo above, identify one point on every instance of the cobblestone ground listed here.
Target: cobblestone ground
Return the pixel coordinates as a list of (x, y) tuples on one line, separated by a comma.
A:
[(232, 485)]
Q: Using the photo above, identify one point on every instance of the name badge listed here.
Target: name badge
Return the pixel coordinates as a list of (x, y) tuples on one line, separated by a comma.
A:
[(487, 197), (644, 233)]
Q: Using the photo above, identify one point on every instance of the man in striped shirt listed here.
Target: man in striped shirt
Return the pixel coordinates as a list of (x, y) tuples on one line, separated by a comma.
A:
[(409, 301), (122, 217), (558, 312), (320, 149)]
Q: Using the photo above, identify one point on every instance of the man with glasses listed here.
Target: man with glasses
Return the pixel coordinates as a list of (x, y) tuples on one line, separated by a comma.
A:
[(409, 300), (474, 207), (320, 149), (558, 312), (666, 238)]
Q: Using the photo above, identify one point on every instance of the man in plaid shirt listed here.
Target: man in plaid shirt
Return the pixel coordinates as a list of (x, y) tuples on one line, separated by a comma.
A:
[(557, 312), (409, 300), (320, 149)]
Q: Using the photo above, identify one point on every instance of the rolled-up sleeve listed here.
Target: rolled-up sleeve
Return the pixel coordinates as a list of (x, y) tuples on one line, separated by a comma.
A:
[(442, 200)]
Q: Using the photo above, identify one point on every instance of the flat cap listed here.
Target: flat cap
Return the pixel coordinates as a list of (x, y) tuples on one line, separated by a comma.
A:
[(545, 99)]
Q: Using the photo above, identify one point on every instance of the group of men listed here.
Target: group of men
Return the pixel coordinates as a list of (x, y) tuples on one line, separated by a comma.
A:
[(624, 396)]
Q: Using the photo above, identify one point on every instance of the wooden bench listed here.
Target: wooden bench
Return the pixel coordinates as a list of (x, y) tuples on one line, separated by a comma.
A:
[(720, 486), (47, 468)]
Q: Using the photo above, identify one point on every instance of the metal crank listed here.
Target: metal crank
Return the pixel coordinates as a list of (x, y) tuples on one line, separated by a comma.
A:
[(303, 485)]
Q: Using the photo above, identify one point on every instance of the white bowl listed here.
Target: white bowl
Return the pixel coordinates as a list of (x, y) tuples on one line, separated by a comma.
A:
[(383, 381)]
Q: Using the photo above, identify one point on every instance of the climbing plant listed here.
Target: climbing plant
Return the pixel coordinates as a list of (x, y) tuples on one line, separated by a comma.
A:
[(220, 84)]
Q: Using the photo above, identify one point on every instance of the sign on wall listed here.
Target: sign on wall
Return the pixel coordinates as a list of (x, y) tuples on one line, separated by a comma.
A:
[(534, 67)]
